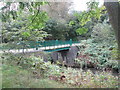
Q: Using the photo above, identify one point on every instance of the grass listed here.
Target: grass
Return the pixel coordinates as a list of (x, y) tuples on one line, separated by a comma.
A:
[(14, 77)]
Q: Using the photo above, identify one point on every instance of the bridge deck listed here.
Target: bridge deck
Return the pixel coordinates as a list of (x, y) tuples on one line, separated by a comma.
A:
[(39, 49)]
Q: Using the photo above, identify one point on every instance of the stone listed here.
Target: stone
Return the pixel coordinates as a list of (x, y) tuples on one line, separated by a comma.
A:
[(68, 56)]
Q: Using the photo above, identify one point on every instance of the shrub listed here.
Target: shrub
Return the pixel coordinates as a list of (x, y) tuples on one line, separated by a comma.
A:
[(103, 32), (96, 55)]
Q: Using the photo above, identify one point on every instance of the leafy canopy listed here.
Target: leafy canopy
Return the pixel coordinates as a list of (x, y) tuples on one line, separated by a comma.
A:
[(27, 16), (93, 12)]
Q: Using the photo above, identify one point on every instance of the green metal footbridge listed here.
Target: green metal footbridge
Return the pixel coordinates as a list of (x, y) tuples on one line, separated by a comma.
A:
[(35, 46)]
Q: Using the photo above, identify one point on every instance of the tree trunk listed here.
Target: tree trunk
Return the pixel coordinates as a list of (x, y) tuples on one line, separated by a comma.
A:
[(113, 9)]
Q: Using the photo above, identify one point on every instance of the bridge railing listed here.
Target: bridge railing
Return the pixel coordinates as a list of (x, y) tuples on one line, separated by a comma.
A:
[(36, 44), (55, 43)]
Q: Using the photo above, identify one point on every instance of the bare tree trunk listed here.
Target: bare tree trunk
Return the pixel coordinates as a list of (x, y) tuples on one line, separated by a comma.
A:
[(113, 9)]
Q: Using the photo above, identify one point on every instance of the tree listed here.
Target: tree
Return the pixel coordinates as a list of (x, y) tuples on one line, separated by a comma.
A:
[(14, 30), (77, 31), (85, 20), (30, 25), (92, 14), (58, 10), (113, 9), (57, 30)]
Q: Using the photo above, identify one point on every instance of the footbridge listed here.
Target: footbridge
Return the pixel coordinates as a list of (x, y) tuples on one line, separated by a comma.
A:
[(36, 46)]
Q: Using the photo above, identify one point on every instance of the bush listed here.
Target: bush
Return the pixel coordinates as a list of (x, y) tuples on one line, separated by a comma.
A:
[(103, 32), (96, 55)]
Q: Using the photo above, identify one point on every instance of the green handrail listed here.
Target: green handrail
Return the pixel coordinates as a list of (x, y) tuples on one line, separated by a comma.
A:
[(36, 44)]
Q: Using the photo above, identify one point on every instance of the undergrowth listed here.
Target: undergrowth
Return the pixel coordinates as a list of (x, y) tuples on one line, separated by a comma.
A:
[(15, 77), (97, 55), (31, 71)]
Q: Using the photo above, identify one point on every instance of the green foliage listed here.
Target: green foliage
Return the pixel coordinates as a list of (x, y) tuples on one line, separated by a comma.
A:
[(26, 62), (56, 29), (21, 6), (78, 32), (97, 55), (71, 23), (115, 53), (24, 23), (98, 51), (81, 31), (93, 13), (37, 68), (112, 64), (18, 30), (89, 80), (15, 77), (26, 34), (103, 31), (37, 21)]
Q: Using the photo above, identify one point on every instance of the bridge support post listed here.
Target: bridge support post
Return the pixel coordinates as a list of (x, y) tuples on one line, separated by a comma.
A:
[(67, 56)]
